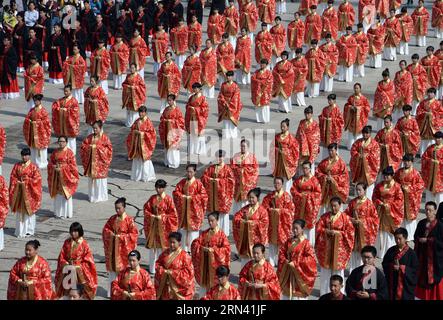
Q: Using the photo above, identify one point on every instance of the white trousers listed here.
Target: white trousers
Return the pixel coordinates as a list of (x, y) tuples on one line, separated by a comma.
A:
[(0, 170), (436, 197), (30, 104), (415, 104), (281, 7), (370, 190), (242, 78), (163, 103), (420, 41), (274, 61), (284, 105), (201, 292), (375, 61), (79, 95), (424, 144), (263, 114), (229, 131), (345, 73), (397, 114), (24, 225), (313, 89), (251, 36), (352, 138), (197, 144), (273, 254), (55, 81), (131, 117), (153, 255), (355, 261), (111, 277), (438, 33), (63, 207), (72, 144), (440, 91), (327, 83), (287, 184), (40, 157), (325, 276), (390, 53), (142, 170), (310, 235), (384, 241), (118, 81), (98, 190), (104, 85), (359, 70), (180, 60), (209, 92), (403, 48), (156, 67), (172, 158), (224, 224), (233, 41), (187, 238), (142, 73), (2, 239), (410, 226), (299, 98), (283, 297)]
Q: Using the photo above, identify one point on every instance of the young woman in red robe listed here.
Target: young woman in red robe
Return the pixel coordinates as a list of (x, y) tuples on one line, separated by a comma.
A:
[(231, 19), (119, 55), (179, 42), (174, 272), (140, 144), (391, 149), (331, 125), (168, 80), (329, 20), (436, 18), (209, 251), (243, 58), (196, 117), (420, 18), (249, 18), (261, 92), (409, 131), (346, 16), (406, 27), (63, 178), (96, 104), (364, 218), (432, 169), (74, 69), (223, 290), (257, 279), (300, 68), (297, 266), (334, 240), (347, 53), (296, 33), (431, 63), (37, 132), (216, 26), (208, 59), (283, 83), (76, 254), (160, 219), (138, 51), (34, 79), (280, 209), (330, 52), (119, 237), (229, 106), (133, 282), (96, 156), (362, 51), (160, 43), (25, 194), (30, 277), (133, 95), (100, 62), (313, 25), (250, 226), (429, 118), (194, 34), (4, 209), (316, 68), (264, 43), (404, 90), (384, 99), (225, 58), (392, 36), (389, 201), (191, 71), (419, 81), (376, 37)]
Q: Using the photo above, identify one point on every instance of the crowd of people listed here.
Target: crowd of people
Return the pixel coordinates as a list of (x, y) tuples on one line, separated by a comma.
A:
[(302, 223)]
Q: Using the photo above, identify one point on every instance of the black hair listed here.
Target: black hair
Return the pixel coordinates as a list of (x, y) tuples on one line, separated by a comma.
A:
[(215, 214), (76, 226), (99, 123), (367, 129), (415, 56), (332, 96), (122, 201), (388, 117), (401, 231), (230, 73), (408, 157), (385, 73), (388, 171), (160, 183), (25, 152), (222, 271), (308, 163), (255, 191), (260, 246), (220, 153), (371, 249), (279, 178), (336, 277), (285, 121), (68, 86), (432, 204), (363, 184), (309, 109), (135, 253), (191, 165), (34, 243), (142, 109), (333, 146), (175, 235), (336, 199), (407, 107), (300, 222)]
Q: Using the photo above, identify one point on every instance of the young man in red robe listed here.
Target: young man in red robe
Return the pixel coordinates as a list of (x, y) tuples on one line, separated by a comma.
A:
[(313, 26), (249, 18), (404, 90), (406, 27), (168, 80), (384, 99), (74, 69), (229, 106), (196, 117), (346, 16), (392, 36), (119, 55), (224, 290), (331, 124), (174, 272), (330, 52), (347, 53), (334, 240), (362, 51), (316, 67), (266, 11), (436, 18), (208, 59), (119, 238), (329, 20), (96, 104), (179, 42), (432, 169), (133, 95), (243, 58), (308, 136), (296, 34), (138, 51), (300, 68), (4, 209), (433, 68), (420, 18), (278, 33), (232, 19), (409, 131), (191, 71), (391, 149), (100, 62), (419, 81), (194, 34), (216, 26), (376, 37), (261, 92), (283, 83), (34, 79)]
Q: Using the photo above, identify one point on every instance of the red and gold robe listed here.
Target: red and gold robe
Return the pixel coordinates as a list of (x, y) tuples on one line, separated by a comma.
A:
[(316, 65), (366, 230), (249, 17), (281, 215), (429, 118), (412, 185), (119, 238), (392, 32), (96, 105), (308, 135), (420, 18), (338, 186), (330, 52), (433, 69), (25, 188), (4, 201), (437, 15), (174, 276), (160, 219), (37, 128), (63, 181), (347, 50), (119, 55), (279, 36), (382, 7), (208, 59), (138, 51), (134, 92), (300, 67), (38, 276), (219, 184), (209, 251), (409, 134), (296, 34), (346, 16), (391, 149), (141, 140), (250, 226), (226, 292), (195, 35), (66, 117), (168, 80), (225, 58), (266, 10), (297, 268), (261, 87), (229, 103), (232, 20), (388, 200), (333, 252), (197, 109), (259, 273), (403, 89), (160, 44), (432, 168), (246, 170), (305, 5), (34, 79), (363, 5), (179, 39), (171, 127), (376, 37), (96, 156), (74, 69), (419, 81), (191, 72), (76, 254), (331, 124), (100, 63), (384, 99), (215, 28), (284, 155), (329, 19), (365, 161), (284, 76), (362, 47), (243, 54), (406, 26), (137, 282), (313, 28), (356, 119), (306, 195)]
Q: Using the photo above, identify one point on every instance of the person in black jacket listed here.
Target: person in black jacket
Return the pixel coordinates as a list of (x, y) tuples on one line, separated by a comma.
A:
[(176, 12), (367, 282), (400, 266), (125, 25), (336, 287), (100, 32), (149, 8), (218, 4), (8, 72), (161, 16), (195, 7), (32, 45)]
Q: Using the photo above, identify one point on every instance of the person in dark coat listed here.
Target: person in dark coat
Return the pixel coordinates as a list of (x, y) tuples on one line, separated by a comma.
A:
[(220, 5), (195, 7), (336, 287), (176, 12)]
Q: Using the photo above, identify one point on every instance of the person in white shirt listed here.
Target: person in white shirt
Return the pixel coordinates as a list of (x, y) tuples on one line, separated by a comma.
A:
[(31, 15)]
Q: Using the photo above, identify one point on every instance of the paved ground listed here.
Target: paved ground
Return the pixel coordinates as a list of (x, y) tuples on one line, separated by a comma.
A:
[(51, 232)]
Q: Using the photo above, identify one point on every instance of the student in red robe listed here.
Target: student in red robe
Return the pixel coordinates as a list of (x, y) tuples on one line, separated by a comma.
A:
[(209, 251), (160, 218), (362, 51), (436, 19), (433, 68), (216, 26), (420, 18), (37, 132), (179, 42), (316, 67), (419, 81), (191, 71), (100, 64), (74, 69), (194, 34), (34, 79), (266, 11), (281, 214), (384, 99), (406, 27), (296, 33), (223, 290), (261, 92), (313, 26), (229, 106), (133, 282), (231, 20), (208, 59), (392, 36), (331, 124), (278, 33), (329, 19), (119, 55), (225, 58), (376, 37), (347, 53), (4, 209), (389, 140), (133, 95), (174, 272), (160, 44), (30, 277), (76, 254), (428, 238), (196, 116), (257, 279), (96, 155), (119, 238), (346, 16), (249, 18), (138, 51), (409, 131), (403, 84), (243, 58), (330, 52), (364, 218), (168, 80), (308, 136), (300, 68), (96, 104), (25, 194), (283, 83), (432, 169)]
